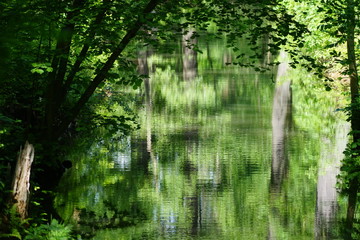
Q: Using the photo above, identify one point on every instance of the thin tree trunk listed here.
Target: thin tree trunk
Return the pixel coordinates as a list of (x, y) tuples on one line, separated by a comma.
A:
[(355, 114), (59, 65), (20, 186), (100, 77), (81, 57)]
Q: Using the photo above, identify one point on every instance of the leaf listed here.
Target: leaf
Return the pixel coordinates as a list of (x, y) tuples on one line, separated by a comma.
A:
[(37, 70), (36, 203), (15, 234), (4, 118)]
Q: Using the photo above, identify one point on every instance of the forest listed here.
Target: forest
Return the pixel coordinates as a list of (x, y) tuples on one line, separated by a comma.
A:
[(163, 119)]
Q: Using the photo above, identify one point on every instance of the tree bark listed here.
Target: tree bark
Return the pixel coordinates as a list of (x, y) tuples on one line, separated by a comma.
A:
[(20, 186), (355, 113)]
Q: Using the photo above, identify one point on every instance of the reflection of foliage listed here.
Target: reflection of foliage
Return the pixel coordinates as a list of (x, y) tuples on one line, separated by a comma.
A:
[(95, 187), (112, 218), (308, 95), (207, 169)]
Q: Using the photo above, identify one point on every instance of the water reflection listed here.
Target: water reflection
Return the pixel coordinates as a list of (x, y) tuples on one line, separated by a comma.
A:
[(189, 55), (219, 157), (122, 159), (280, 121), (281, 112), (326, 192)]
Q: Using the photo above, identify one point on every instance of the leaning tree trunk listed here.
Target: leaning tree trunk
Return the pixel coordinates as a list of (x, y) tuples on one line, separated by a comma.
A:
[(102, 74), (21, 181)]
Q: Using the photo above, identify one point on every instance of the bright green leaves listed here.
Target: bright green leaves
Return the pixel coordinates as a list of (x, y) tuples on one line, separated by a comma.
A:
[(355, 145), (123, 123), (133, 80), (41, 68), (54, 230)]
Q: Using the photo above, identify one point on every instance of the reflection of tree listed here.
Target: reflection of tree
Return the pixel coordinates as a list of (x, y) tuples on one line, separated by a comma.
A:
[(326, 203), (143, 69), (189, 56), (201, 171), (279, 165), (208, 54), (267, 55), (199, 152), (281, 111), (326, 192)]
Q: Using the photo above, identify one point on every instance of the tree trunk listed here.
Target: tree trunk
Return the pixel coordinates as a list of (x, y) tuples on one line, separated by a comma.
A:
[(91, 33), (59, 64), (101, 76), (355, 113), (20, 186)]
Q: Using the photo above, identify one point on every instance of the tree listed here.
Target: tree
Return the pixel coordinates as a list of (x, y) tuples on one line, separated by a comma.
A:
[(60, 61), (354, 109), (57, 55), (61, 81), (61, 54), (338, 27)]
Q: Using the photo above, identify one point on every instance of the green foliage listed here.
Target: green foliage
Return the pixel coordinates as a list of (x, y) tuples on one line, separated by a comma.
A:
[(41, 68), (331, 52), (28, 229), (323, 51), (68, 63), (15, 226), (350, 168), (208, 138), (52, 231), (47, 85), (92, 35)]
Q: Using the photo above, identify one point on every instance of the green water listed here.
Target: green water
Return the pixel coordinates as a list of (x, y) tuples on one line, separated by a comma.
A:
[(223, 153)]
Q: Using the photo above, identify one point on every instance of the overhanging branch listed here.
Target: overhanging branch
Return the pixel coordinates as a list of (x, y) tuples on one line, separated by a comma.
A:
[(100, 77)]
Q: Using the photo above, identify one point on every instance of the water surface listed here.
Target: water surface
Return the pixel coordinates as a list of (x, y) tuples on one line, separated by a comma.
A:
[(223, 153)]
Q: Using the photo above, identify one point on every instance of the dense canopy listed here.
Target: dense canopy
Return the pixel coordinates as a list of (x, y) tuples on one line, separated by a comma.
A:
[(65, 66)]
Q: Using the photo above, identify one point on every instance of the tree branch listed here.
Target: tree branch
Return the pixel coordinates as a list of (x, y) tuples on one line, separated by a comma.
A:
[(59, 65), (100, 77), (81, 57)]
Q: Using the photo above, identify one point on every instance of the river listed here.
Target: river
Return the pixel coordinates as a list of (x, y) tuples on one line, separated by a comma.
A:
[(223, 152)]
